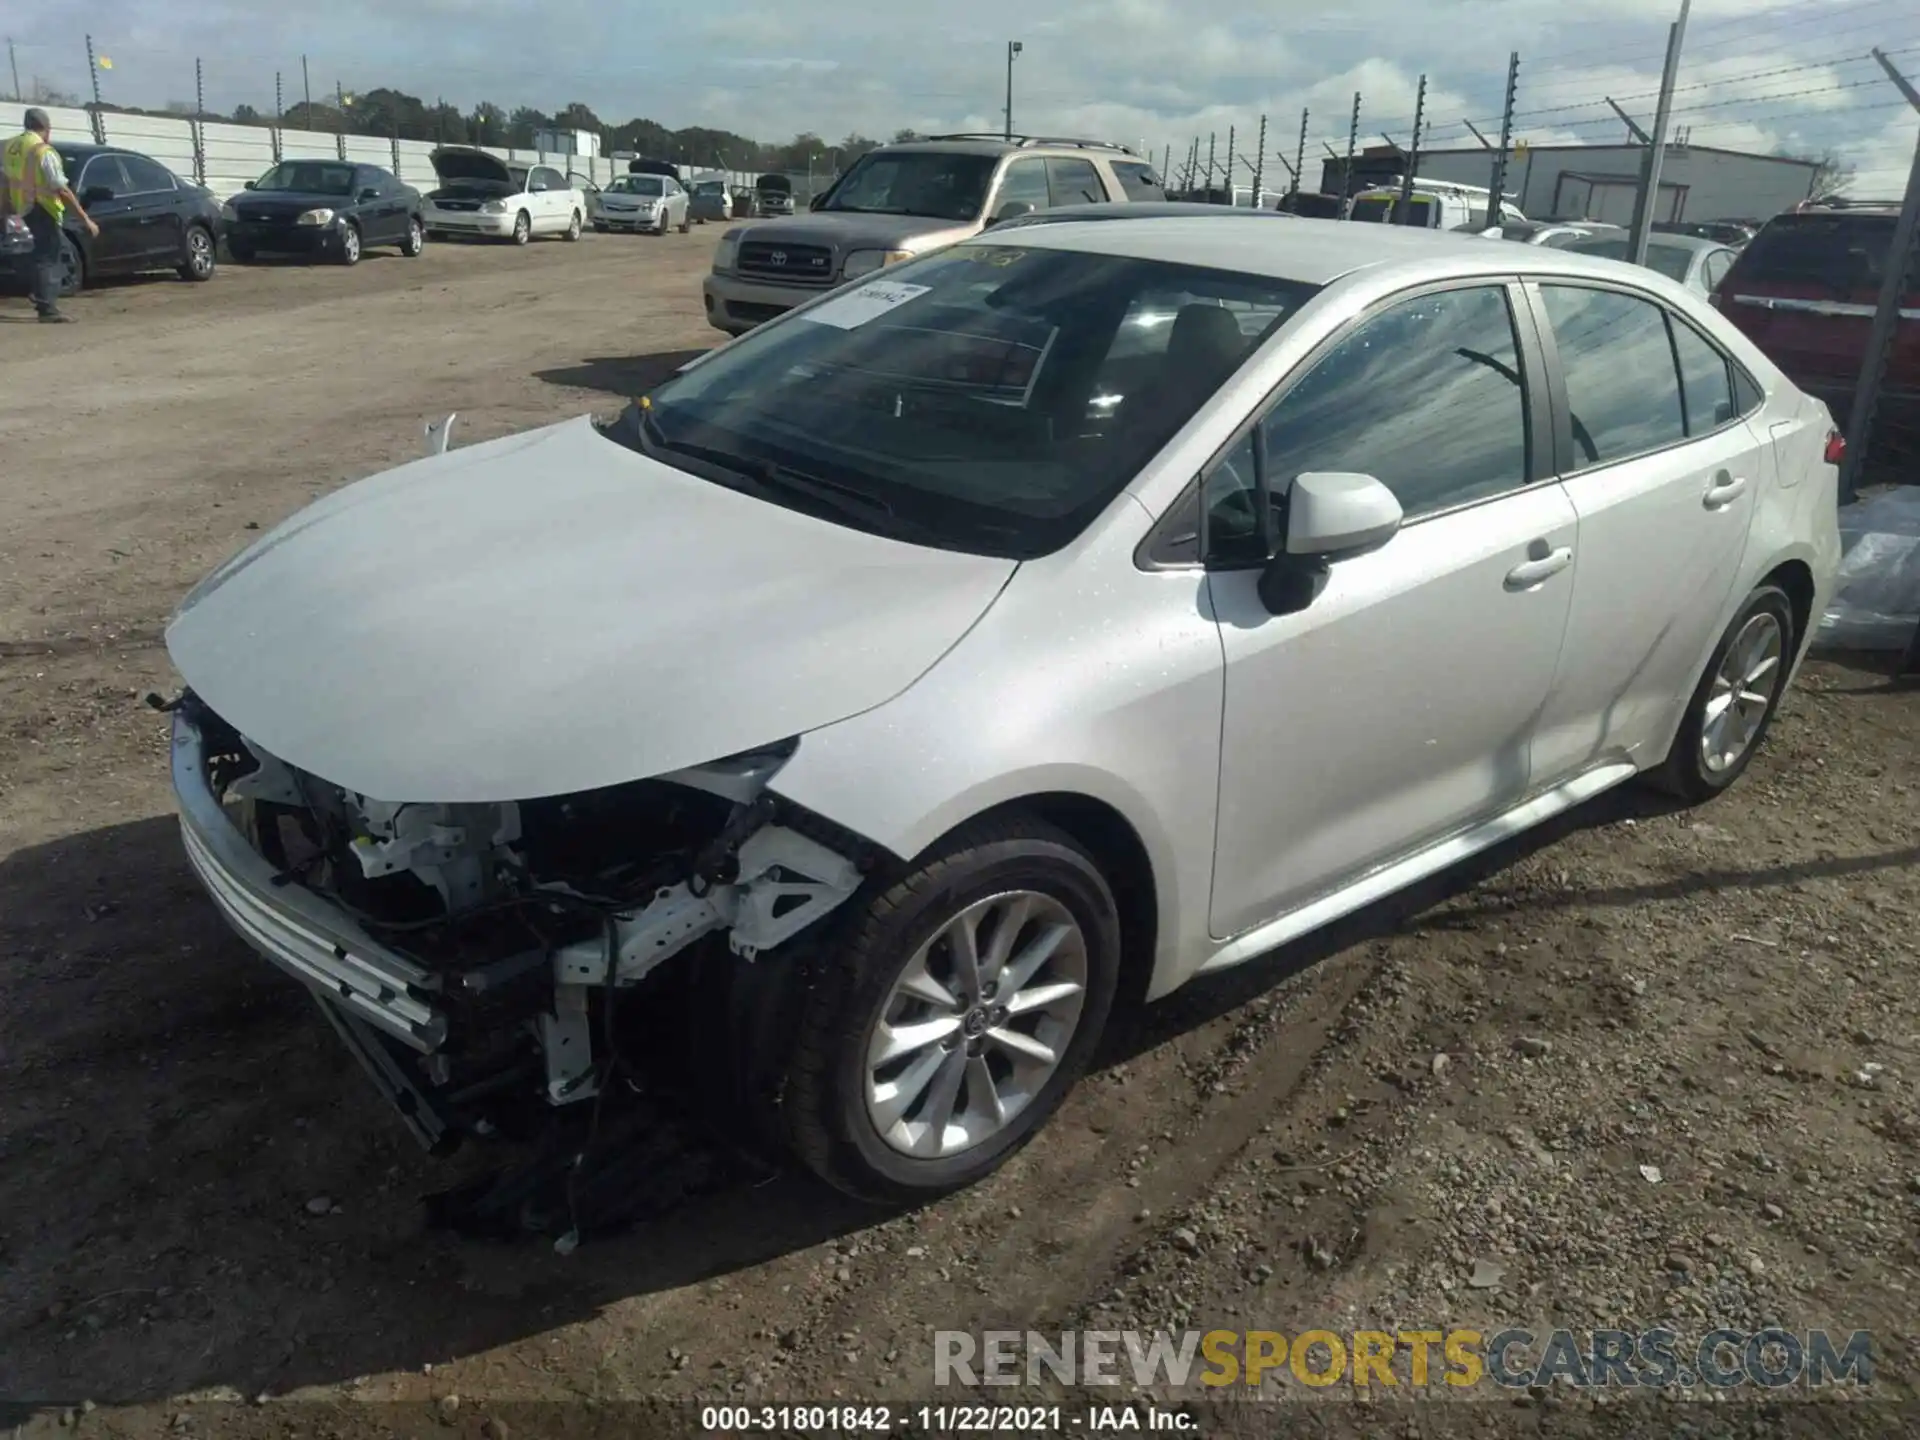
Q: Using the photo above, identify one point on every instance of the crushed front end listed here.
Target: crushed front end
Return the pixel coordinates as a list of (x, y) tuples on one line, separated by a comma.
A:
[(471, 955)]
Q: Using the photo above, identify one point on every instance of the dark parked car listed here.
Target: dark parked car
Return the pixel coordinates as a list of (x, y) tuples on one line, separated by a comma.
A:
[(149, 219), (331, 208)]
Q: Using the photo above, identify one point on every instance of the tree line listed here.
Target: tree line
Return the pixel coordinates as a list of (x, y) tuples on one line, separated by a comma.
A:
[(396, 114)]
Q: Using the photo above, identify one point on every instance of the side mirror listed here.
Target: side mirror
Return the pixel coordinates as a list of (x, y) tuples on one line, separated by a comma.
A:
[(1330, 515), (1012, 210), (96, 194), (369, 194), (817, 201), (252, 184)]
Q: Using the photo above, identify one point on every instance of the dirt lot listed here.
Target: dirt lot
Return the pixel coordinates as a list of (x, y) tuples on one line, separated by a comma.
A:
[(1649, 1068)]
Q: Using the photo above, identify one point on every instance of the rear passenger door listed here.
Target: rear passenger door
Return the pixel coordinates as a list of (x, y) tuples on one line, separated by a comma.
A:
[(1662, 471), (154, 206), (1024, 181)]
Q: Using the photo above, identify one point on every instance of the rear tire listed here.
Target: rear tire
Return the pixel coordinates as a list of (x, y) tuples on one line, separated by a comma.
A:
[(73, 267), (960, 1104), (1732, 708), (201, 261)]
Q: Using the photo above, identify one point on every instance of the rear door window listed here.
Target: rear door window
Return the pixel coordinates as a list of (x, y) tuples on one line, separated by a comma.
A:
[(1024, 182), (104, 172), (1074, 182), (1623, 391), (1706, 387)]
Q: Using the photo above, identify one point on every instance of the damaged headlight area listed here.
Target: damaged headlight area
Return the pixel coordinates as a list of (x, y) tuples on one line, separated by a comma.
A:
[(472, 955)]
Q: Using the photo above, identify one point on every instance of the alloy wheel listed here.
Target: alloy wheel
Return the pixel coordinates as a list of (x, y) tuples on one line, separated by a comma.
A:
[(350, 245), (1742, 693), (522, 228), (200, 253), (976, 1023)]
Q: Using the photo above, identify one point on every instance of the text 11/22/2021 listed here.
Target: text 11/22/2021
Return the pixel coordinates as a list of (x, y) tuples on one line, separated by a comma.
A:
[(934, 1420)]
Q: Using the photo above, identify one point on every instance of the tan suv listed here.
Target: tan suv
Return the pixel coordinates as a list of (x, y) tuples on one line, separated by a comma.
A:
[(903, 200)]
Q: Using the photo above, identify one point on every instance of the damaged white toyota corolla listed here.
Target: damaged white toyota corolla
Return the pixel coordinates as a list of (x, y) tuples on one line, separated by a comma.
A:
[(1043, 624)]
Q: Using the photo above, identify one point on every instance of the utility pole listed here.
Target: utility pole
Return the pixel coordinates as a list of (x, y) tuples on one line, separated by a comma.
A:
[(1648, 199), (340, 119), (1497, 183), (1886, 322), (1260, 163), (1405, 217), (279, 115), (1634, 132), (1346, 171), (307, 85), (199, 123), (14, 61), (1230, 136), (1013, 48), (93, 74), (1300, 153)]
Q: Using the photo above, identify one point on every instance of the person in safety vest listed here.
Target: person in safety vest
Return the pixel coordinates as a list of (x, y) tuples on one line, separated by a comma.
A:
[(37, 191)]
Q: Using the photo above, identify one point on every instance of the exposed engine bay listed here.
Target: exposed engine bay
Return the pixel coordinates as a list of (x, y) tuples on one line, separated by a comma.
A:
[(519, 924)]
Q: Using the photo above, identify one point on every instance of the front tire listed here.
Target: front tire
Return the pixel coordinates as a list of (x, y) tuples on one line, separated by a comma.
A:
[(1733, 706), (416, 240), (522, 228), (573, 229), (200, 262), (685, 224), (349, 253), (953, 1014)]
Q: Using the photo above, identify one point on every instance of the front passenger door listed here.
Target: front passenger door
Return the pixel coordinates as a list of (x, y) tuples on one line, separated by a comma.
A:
[(1398, 707)]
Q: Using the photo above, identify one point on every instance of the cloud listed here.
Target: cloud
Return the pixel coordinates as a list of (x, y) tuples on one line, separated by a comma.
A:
[(1160, 72)]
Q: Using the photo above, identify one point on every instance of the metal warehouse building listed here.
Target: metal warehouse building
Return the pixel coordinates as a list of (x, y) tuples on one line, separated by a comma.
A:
[(1597, 182)]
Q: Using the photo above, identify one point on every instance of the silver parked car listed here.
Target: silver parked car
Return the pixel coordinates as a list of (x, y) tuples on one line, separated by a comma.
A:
[(1024, 631), (650, 203), (1696, 263)]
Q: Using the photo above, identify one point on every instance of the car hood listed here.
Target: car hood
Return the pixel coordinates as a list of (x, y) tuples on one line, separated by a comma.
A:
[(848, 231), (459, 164), (277, 202), (551, 613)]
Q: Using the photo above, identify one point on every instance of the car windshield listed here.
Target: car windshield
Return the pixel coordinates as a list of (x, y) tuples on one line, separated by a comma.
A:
[(1671, 261), (637, 185), (308, 177), (1843, 254), (989, 398), (941, 185)]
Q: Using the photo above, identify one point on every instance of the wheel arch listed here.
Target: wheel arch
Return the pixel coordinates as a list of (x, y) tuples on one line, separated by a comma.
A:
[(1117, 848)]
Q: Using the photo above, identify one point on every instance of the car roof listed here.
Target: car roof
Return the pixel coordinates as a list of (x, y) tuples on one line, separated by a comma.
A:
[(1671, 242), (1313, 252)]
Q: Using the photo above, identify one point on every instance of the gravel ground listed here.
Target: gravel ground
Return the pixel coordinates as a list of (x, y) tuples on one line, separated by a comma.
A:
[(1646, 1068)]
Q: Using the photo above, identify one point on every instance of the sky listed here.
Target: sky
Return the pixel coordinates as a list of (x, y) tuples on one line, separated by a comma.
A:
[(1754, 74)]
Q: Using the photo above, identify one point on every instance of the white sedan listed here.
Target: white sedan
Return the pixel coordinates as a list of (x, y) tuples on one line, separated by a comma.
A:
[(653, 203), (1022, 633), (482, 195)]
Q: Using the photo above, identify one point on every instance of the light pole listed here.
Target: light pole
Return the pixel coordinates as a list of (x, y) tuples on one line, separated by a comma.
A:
[(1013, 48)]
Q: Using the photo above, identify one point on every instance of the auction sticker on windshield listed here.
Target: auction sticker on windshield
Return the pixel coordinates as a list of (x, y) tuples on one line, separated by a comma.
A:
[(869, 302)]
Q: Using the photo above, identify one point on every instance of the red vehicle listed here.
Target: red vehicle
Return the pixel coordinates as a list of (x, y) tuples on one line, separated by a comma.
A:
[(1805, 291)]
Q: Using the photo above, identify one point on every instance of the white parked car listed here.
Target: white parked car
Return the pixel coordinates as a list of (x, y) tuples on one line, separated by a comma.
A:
[(1057, 618), (653, 203), (481, 194)]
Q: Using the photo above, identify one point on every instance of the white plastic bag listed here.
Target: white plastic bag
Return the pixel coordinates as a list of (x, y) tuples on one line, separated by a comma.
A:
[(1876, 598)]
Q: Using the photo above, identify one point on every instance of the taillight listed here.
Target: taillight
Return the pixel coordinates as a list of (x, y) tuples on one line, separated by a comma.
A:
[(1836, 447)]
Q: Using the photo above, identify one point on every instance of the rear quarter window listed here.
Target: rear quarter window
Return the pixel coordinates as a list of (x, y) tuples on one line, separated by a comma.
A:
[(1837, 254)]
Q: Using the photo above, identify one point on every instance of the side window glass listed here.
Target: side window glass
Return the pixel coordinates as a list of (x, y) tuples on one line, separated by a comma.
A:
[(1074, 182), (1715, 269), (1025, 181), (1746, 392), (1623, 394), (1137, 180), (104, 172), (145, 176), (1427, 396), (1705, 387), (1230, 505)]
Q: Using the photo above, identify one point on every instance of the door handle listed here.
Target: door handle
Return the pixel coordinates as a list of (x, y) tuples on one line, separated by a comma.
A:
[(1531, 572), (1725, 489)]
